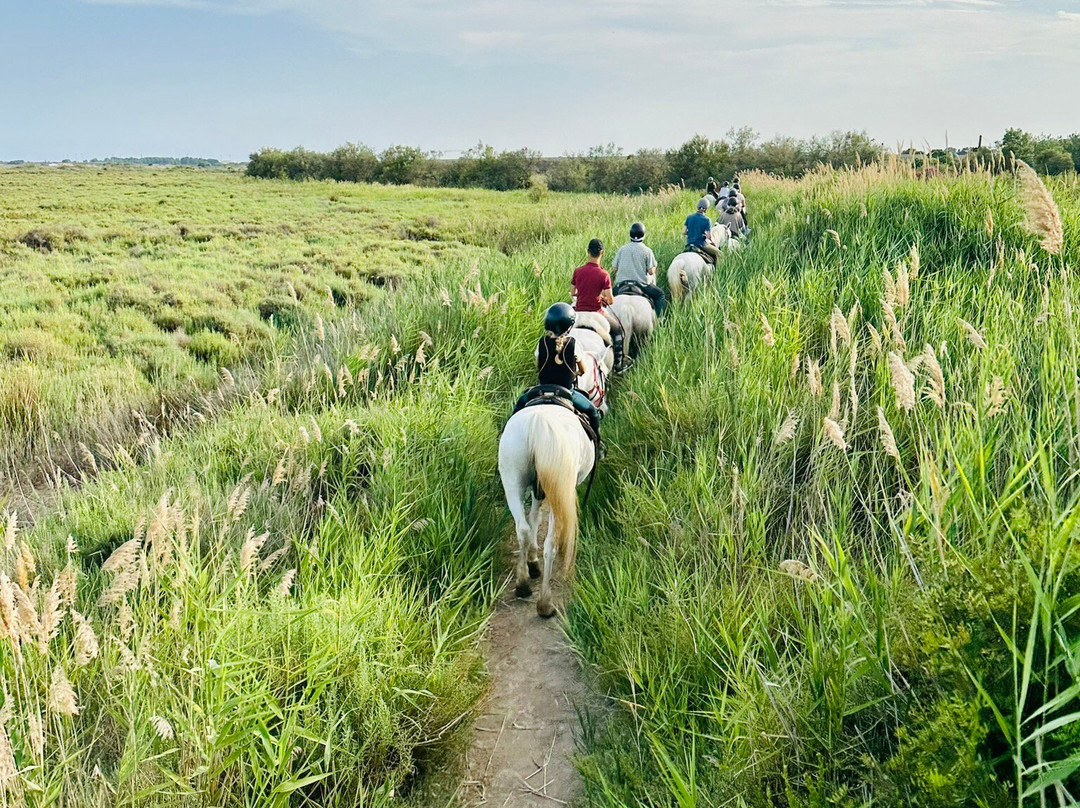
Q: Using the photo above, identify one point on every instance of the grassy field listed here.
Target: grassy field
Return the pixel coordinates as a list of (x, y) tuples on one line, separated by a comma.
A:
[(830, 561), (123, 291)]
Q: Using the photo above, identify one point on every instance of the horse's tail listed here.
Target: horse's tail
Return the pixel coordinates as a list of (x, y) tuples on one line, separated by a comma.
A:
[(556, 475), (678, 283)]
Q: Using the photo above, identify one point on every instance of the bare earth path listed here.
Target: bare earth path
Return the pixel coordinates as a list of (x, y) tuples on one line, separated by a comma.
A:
[(525, 738)]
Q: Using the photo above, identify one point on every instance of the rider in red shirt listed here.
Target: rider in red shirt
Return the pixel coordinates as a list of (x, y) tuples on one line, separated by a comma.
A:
[(591, 285)]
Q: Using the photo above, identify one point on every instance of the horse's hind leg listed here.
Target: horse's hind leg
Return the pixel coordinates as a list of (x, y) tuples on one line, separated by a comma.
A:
[(526, 538), (533, 556), (544, 607)]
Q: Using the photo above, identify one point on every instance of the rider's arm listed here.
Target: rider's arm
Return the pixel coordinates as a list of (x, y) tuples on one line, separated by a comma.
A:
[(607, 297)]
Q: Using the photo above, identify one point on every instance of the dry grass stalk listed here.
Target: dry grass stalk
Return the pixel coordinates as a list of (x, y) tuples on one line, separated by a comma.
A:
[(768, 285), (162, 727), (316, 432), (9, 621), (875, 339), (320, 329), (903, 289), (395, 349), (996, 395), (795, 365), (123, 556), (974, 337), (26, 617), (835, 433), (903, 382), (125, 620), (936, 391), (8, 769), (853, 396), (798, 570), (36, 735), (813, 378), (834, 409), (67, 581), (888, 439), (913, 261), (767, 332), (284, 588), (227, 378), (249, 552), (86, 641), (989, 222), (11, 530), (1041, 215), (888, 288), (839, 325), (52, 614), (787, 429), (62, 699)]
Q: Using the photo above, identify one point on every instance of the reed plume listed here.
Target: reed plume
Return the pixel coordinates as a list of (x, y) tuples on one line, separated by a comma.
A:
[(787, 429), (974, 337), (835, 433), (888, 439), (903, 382), (767, 332), (1041, 215)]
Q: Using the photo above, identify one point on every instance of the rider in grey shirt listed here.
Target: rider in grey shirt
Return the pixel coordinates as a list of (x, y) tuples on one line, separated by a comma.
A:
[(635, 263)]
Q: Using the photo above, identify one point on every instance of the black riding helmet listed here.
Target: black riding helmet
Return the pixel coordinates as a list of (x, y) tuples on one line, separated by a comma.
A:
[(637, 231), (559, 318)]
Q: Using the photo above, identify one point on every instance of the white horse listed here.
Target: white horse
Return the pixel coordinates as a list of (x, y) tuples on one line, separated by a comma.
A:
[(638, 319), (689, 269), (544, 454), (598, 359)]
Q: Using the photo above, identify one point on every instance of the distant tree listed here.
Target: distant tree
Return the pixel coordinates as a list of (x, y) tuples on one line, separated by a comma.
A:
[(1018, 143), (402, 165), (352, 163), (698, 159)]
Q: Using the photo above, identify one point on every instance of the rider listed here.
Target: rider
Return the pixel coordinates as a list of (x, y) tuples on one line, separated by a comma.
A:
[(591, 286), (741, 198), (634, 263), (713, 190), (557, 362), (697, 232), (731, 217)]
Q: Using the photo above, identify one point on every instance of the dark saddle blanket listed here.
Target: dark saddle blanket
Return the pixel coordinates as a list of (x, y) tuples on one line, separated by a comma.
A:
[(554, 394)]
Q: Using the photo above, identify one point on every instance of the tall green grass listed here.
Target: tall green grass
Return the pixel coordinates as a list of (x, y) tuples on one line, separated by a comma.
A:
[(787, 622), (286, 602)]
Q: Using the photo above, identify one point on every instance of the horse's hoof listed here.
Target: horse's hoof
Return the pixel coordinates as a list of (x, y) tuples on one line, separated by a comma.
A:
[(545, 610), (523, 590), (534, 569)]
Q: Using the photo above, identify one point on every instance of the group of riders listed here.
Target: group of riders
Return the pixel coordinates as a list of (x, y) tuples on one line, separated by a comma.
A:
[(557, 357)]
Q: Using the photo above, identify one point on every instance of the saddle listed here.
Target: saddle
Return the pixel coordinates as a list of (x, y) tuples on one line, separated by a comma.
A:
[(633, 288), (554, 394), (629, 288), (695, 249)]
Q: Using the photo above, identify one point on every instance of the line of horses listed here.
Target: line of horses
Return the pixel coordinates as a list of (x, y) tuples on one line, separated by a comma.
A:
[(545, 453)]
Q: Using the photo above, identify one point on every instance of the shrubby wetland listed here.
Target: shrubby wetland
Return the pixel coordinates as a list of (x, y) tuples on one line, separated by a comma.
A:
[(254, 535)]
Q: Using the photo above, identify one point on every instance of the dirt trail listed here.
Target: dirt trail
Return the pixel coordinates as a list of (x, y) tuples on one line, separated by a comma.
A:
[(525, 738)]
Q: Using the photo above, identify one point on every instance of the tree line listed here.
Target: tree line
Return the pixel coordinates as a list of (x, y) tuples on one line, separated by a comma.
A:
[(608, 169), (601, 169)]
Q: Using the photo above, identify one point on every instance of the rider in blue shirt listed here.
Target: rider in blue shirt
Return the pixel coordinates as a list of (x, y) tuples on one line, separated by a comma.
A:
[(698, 226)]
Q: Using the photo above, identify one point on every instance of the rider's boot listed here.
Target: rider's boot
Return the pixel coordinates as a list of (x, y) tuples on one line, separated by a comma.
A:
[(621, 360)]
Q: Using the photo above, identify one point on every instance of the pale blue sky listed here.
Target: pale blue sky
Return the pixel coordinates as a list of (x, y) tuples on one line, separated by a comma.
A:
[(219, 78)]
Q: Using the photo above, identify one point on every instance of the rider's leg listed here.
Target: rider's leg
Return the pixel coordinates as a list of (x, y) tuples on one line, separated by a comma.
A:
[(712, 250), (658, 298), (616, 338)]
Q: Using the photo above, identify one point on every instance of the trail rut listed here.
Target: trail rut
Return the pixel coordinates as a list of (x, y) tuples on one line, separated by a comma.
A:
[(525, 739)]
